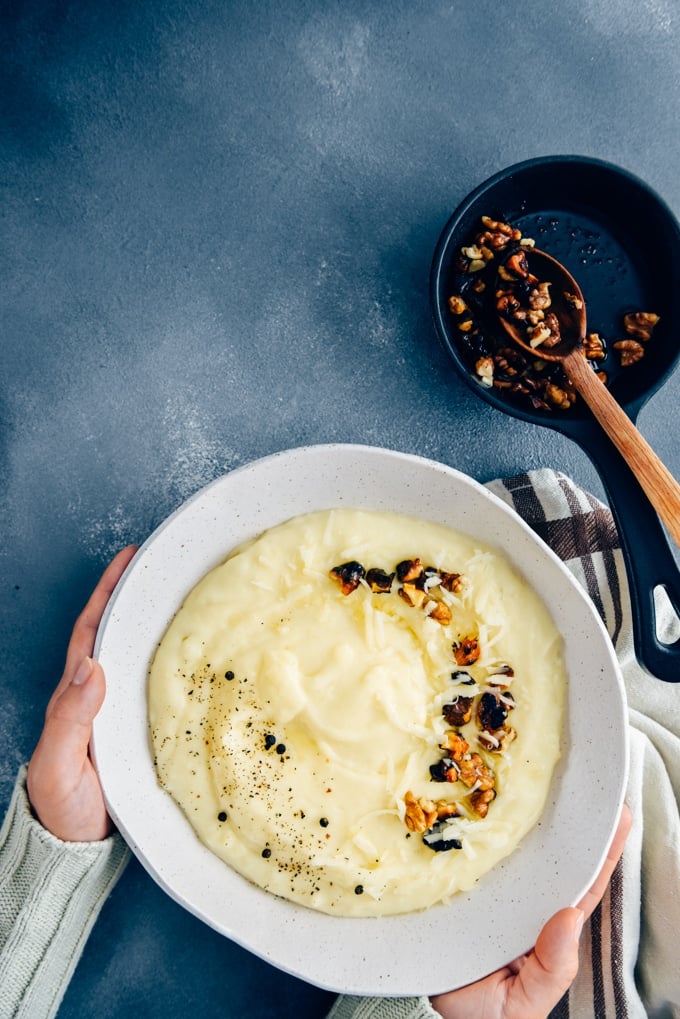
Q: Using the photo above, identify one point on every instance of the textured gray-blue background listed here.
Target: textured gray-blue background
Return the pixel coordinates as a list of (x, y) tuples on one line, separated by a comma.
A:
[(217, 226)]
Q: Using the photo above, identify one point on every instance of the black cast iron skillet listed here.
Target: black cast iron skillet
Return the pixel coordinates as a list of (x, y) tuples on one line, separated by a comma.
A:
[(622, 244)]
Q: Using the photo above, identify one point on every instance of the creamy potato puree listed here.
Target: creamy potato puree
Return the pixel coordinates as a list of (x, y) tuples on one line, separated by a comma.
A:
[(291, 721)]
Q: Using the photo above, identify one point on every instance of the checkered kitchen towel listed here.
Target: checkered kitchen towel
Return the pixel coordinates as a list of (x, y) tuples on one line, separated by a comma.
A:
[(630, 950)]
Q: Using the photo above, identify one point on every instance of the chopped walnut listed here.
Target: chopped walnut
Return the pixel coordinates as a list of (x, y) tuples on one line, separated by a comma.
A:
[(472, 252), (630, 352), (458, 712), (539, 297), (445, 809), (420, 813), (538, 334), (573, 300), (409, 569), (457, 305), (379, 581), (484, 371), (440, 612), (496, 742), (557, 397), (455, 746), (452, 582), (496, 226), (472, 770), (640, 324), (349, 576), (467, 650), (493, 709), (481, 800), (508, 305), (412, 595), (593, 347)]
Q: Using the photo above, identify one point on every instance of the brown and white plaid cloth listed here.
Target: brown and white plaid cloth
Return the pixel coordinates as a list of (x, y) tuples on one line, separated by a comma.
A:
[(630, 948)]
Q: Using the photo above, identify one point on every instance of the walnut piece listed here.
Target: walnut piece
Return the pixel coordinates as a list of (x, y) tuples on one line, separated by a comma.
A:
[(456, 747), (467, 651), (457, 305), (440, 612), (420, 813), (630, 352), (349, 576), (484, 371), (593, 347), (481, 800), (459, 711), (412, 595), (640, 324), (472, 770)]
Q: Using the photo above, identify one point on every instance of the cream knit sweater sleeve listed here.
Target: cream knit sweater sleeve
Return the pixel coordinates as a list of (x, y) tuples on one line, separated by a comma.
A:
[(51, 893)]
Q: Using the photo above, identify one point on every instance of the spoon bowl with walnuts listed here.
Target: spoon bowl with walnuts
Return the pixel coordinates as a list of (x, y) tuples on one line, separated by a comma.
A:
[(541, 307)]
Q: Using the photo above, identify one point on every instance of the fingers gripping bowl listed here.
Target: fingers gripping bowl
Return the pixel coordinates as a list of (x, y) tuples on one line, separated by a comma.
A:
[(401, 954)]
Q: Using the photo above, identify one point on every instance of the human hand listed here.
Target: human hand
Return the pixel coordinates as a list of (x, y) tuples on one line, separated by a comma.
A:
[(63, 786), (533, 984)]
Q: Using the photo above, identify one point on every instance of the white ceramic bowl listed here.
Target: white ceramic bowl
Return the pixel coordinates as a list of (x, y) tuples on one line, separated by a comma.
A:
[(402, 955)]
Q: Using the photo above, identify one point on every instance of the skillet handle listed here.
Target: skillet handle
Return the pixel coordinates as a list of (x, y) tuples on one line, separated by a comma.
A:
[(648, 555)]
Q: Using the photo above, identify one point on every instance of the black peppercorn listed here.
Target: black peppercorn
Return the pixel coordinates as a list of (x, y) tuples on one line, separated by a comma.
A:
[(359, 890), (269, 741), (324, 822), (266, 853), (222, 816), (229, 674), (281, 748)]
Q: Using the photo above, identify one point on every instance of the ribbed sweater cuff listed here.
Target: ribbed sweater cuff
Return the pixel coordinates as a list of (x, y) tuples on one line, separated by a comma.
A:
[(51, 893), (353, 1007)]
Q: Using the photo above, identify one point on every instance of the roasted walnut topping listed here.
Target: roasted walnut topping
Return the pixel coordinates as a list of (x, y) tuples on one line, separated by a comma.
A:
[(349, 576), (409, 570), (438, 611), (457, 305), (458, 712), (573, 300), (412, 595), (456, 746), (484, 371), (558, 397), (492, 710), (594, 348), (496, 742), (473, 771), (417, 584), (481, 800), (439, 772), (452, 582), (422, 814), (379, 581), (630, 352), (467, 651), (640, 324)]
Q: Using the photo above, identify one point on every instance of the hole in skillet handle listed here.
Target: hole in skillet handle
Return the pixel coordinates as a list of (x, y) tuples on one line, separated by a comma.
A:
[(622, 243)]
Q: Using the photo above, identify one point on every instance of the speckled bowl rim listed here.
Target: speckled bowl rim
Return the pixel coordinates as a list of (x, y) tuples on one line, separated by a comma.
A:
[(404, 955)]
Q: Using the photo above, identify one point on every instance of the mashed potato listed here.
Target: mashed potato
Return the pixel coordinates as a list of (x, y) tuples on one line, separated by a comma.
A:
[(359, 711)]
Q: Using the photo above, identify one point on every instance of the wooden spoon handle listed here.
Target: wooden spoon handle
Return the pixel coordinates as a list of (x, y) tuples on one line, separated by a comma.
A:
[(661, 488)]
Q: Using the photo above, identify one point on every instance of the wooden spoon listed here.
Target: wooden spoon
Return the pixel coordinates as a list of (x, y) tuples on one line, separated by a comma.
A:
[(661, 488)]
